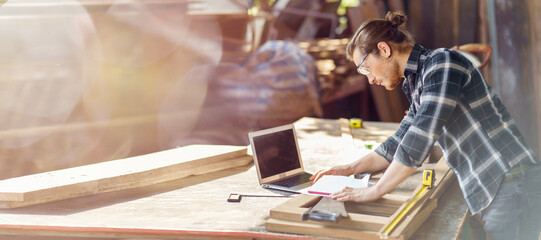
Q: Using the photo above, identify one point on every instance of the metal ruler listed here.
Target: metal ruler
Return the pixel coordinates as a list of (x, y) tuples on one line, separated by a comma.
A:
[(428, 181)]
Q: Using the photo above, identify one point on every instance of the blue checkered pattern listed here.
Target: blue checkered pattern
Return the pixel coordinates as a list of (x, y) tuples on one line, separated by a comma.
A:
[(452, 105)]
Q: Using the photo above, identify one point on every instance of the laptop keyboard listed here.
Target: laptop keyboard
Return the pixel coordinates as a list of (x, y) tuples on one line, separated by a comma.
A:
[(294, 180)]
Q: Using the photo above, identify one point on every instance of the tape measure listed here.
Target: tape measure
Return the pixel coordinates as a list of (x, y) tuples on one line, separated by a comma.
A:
[(428, 178), (355, 122), (428, 181)]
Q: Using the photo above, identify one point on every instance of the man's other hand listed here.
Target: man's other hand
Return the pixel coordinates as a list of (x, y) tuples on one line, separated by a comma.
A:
[(356, 194), (342, 170)]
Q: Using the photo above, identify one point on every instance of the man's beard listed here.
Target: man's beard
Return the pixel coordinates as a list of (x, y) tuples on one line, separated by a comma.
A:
[(394, 76)]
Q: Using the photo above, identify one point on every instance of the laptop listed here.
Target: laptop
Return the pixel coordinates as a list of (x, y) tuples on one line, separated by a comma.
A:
[(278, 160)]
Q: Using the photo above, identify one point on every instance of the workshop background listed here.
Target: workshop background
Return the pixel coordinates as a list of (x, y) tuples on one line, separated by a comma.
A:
[(86, 81)]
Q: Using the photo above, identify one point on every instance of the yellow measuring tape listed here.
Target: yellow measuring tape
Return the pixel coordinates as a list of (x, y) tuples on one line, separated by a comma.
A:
[(356, 123), (428, 181)]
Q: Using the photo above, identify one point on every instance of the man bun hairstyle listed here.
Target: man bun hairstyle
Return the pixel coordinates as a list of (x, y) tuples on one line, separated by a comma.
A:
[(373, 31), (396, 18)]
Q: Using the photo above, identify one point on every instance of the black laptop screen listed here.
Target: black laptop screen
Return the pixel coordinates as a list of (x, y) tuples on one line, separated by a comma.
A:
[(276, 153)]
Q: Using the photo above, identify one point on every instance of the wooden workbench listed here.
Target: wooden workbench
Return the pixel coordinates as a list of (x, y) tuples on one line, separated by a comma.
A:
[(196, 207)]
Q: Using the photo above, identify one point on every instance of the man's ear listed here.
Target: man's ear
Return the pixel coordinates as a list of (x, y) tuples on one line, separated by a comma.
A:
[(384, 49)]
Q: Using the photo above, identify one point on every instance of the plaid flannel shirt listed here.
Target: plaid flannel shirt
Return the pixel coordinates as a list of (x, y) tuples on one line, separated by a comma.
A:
[(452, 105)]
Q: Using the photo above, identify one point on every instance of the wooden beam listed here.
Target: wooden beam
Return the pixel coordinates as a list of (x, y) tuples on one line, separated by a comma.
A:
[(276, 225), (365, 220), (446, 181), (440, 169), (293, 210), (120, 174), (411, 224)]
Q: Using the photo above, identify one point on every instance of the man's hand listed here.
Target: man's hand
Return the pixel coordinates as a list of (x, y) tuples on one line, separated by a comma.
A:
[(342, 170), (356, 194), (372, 162), (394, 175)]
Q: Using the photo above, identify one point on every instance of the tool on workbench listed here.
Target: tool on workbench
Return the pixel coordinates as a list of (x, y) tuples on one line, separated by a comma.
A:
[(327, 210), (355, 122), (427, 183), (428, 177), (236, 197)]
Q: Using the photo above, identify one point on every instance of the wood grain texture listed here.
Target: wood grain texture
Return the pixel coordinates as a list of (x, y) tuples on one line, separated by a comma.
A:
[(447, 220), (440, 169), (411, 224), (293, 209), (120, 174), (195, 207), (364, 219), (287, 217), (275, 225)]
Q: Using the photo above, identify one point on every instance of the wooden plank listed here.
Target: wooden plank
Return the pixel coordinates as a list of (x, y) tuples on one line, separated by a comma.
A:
[(440, 169), (96, 233), (446, 221), (390, 198), (375, 209), (292, 211), (120, 174), (363, 217), (419, 214), (362, 222), (186, 208), (406, 229), (414, 220), (419, 203), (447, 180), (276, 225)]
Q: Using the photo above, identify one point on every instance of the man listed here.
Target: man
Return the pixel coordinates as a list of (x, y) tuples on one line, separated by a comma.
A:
[(451, 104)]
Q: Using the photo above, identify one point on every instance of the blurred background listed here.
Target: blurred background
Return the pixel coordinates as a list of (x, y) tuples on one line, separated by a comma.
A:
[(87, 81)]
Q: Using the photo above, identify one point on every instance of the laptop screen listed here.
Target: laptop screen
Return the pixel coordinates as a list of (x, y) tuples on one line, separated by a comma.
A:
[(276, 153)]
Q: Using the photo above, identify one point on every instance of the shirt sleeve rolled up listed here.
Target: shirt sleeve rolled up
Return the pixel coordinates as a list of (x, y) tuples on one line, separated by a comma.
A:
[(388, 148)]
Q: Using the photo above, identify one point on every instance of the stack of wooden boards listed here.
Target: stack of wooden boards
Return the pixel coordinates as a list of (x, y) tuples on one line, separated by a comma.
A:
[(120, 174), (365, 220)]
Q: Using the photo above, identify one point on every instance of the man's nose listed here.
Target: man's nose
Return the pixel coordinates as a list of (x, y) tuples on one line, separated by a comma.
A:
[(371, 79)]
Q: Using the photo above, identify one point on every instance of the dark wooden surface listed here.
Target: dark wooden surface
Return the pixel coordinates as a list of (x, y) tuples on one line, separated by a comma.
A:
[(196, 207)]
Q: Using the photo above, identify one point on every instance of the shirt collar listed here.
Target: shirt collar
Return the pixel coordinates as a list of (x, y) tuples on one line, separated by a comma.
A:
[(411, 70), (413, 60)]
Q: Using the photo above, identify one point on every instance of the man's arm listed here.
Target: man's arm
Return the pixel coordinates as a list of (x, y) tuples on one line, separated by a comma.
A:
[(388, 148), (375, 161), (443, 80), (394, 175), (370, 163)]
